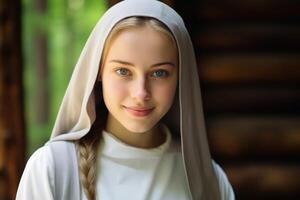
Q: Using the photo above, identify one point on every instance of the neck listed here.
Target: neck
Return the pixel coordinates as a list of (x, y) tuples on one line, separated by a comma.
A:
[(148, 139)]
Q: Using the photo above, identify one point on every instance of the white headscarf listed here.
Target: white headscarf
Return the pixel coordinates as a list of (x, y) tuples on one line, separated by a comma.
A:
[(77, 111)]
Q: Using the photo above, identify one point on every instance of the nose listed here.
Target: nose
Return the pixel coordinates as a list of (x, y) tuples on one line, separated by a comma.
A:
[(140, 90)]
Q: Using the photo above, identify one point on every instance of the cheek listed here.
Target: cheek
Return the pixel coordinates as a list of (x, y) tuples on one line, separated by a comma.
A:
[(113, 89), (166, 93)]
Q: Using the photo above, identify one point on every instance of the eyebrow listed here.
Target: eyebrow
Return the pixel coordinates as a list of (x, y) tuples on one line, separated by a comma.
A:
[(154, 65)]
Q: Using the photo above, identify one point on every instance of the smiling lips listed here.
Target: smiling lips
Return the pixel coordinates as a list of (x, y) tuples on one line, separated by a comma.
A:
[(139, 112)]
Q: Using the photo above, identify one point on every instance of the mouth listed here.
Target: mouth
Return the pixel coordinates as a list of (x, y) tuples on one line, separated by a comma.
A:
[(138, 111)]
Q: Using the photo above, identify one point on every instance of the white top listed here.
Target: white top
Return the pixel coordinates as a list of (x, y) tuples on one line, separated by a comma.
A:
[(126, 172)]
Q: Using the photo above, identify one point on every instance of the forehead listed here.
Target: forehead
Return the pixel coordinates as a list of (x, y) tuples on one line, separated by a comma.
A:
[(142, 43)]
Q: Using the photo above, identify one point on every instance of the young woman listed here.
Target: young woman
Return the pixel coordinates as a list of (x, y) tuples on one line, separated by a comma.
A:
[(131, 123)]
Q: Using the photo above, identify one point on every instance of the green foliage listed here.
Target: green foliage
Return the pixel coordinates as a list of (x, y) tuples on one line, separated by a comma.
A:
[(67, 25)]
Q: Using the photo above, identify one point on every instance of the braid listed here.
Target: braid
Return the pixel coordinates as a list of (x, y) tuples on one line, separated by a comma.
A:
[(87, 152), (87, 149)]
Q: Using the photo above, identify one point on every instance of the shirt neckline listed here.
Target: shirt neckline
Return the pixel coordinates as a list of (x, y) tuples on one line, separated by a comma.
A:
[(112, 147)]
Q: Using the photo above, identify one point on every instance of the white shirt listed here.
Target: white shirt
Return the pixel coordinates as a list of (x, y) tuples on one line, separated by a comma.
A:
[(125, 172), (128, 172)]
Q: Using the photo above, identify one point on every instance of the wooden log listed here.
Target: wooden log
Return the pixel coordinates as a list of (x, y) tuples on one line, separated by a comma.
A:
[(3, 187), (265, 180), (247, 37), (257, 138), (12, 128), (242, 11), (249, 68), (251, 99), (3, 178)]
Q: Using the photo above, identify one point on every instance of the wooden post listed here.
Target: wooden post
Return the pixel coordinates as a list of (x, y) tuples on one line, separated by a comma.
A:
[(40, 62), (12, 128)]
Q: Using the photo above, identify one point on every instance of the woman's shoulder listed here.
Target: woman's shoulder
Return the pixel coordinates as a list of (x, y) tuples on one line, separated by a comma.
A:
[(44, 158), (37, 180), (60, 147), (48, 166), (224, 184), (40, 157)]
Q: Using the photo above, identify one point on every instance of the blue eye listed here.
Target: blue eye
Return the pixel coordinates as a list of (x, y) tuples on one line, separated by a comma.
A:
[(160, 73), (123, 72)]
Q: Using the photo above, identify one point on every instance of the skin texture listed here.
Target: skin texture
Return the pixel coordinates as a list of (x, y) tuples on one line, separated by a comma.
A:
[(148, 83)]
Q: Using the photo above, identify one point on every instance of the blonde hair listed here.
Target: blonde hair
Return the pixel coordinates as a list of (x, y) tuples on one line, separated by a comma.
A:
[(87, 147)]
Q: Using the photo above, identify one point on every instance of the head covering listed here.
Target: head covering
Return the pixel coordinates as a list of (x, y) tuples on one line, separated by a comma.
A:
[(77, 111)]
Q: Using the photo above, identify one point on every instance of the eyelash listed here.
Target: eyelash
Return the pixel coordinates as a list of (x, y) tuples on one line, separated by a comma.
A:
[(118, 70), (165, 72)]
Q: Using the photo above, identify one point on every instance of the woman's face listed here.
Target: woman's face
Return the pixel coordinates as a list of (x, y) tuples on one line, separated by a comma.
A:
[(139, 78)]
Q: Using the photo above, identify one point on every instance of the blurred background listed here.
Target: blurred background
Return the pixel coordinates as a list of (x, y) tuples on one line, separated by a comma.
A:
[(248, 53)]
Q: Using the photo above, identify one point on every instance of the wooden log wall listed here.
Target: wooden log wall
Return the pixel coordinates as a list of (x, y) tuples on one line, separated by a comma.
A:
[(249, 65), (12, 135)]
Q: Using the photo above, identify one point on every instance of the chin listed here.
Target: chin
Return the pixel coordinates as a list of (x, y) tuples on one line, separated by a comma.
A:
[(137, 128)]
